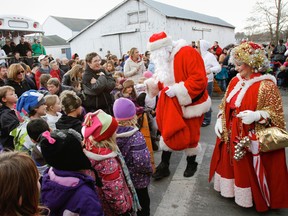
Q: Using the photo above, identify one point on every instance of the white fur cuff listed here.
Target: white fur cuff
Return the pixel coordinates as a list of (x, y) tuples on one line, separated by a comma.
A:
[(163, 145), (182, 94), (193, 151)]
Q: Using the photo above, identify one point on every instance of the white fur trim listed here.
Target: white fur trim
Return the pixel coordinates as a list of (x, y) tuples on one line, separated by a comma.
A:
[(227, 188), (196, 110), (243, 85), (159, 43), (224, 186), (177, 45), (243, 197), (163, 146), (98, 157), (128, 133), (151, 87), (182, 94), (193, 151)]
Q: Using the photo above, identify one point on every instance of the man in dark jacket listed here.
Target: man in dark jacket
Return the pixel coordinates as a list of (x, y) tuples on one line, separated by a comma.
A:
[(97, 85), (3, 74)]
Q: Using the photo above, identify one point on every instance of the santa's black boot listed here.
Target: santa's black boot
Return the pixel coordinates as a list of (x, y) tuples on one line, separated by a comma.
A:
[(162, 170), (191, 167)]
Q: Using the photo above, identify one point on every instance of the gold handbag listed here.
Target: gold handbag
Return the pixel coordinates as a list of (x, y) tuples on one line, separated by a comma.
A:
[(272, 138)]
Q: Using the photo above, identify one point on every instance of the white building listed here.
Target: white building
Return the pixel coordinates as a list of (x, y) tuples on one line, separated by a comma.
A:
[(56, 46), (65, 27), (132, 22)]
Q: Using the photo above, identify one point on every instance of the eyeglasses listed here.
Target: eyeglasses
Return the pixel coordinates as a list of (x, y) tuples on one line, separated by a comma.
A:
[(22, 71)]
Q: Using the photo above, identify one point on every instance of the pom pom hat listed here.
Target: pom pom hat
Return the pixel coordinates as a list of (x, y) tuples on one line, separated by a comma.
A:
[(99, 125), (124, 109), (158, 40), (30, 100)]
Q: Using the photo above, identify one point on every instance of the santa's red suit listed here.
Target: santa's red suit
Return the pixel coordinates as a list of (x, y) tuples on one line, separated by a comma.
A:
[(189, 82)]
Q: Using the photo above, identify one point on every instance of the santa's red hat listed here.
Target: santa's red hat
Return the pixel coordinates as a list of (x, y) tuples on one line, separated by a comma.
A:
[(158, 40)]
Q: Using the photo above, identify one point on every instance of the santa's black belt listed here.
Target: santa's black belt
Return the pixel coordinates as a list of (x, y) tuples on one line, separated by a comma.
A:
[(198, 96)]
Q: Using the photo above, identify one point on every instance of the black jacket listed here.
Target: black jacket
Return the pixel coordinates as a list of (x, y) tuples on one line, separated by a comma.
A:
[(8, 122), (20, 88), (66, 122), (97, 95)]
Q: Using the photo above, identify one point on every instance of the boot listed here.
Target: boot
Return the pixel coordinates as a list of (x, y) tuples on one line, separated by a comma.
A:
[(162, 170), (191, 167)]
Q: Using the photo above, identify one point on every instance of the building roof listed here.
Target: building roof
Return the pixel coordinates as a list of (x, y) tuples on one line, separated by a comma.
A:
[(53, 40), (73, 23), (168, 11), (175, 12)]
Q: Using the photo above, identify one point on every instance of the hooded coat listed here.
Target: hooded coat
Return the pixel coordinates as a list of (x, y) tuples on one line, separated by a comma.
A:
[(210, 61), (70, 193)]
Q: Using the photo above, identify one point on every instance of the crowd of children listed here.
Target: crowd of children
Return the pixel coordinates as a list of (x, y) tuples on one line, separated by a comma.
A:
[(86, 163)]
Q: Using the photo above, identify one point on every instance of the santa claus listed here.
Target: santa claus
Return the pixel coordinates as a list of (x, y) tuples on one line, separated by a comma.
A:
[(180, 77)]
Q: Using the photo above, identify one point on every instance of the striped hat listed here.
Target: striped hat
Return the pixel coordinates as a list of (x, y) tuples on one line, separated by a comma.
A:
[(99, 125)]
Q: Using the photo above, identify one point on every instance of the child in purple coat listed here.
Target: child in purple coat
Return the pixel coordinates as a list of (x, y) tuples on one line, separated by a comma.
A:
[(66, 187), (133, 147)]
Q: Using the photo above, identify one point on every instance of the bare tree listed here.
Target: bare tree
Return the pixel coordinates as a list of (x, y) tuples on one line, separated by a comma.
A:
[(271, 16)]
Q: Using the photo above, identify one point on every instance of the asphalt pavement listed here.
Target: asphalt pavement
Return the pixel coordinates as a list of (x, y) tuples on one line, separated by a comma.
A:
[(195, 196)]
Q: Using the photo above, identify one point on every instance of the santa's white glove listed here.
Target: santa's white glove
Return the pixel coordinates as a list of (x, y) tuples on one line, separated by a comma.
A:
[(248, 116), (170, 92), (218, 127), (254, 147)]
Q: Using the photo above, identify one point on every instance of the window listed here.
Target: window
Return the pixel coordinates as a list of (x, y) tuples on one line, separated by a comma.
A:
[(133, 17), (63, 51)]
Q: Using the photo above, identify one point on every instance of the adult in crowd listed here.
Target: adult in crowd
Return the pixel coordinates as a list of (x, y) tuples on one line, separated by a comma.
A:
[(252, 102), (2, 56), (55, 87), (23, 46), (55, 70), (212, 67), (216, 49), (3, 74), (16, 58), (134, 66), (28, 59), (43, 69), (9, 50), (97, 85), (38, 49), (16, 79), (183, 99), (74, 76), (279, 51), (28, 78), (64, 64)]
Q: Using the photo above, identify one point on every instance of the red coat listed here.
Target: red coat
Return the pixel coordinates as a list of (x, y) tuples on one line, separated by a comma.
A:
[(189, 82), (238, 178)]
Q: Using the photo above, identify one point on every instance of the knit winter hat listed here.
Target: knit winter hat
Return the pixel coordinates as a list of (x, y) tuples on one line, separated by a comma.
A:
[(69, 101), (29, 100), (62, 150), (158, 40), (124, 109), (99, 125), (128, 83)]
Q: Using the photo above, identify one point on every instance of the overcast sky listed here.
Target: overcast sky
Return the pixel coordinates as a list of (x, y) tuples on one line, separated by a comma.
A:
[(233, 12)]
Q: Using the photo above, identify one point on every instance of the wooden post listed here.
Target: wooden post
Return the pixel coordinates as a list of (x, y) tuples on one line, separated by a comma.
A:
[(146, 133)]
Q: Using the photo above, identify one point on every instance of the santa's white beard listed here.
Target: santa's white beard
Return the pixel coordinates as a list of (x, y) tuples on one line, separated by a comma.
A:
[(163, 65)]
